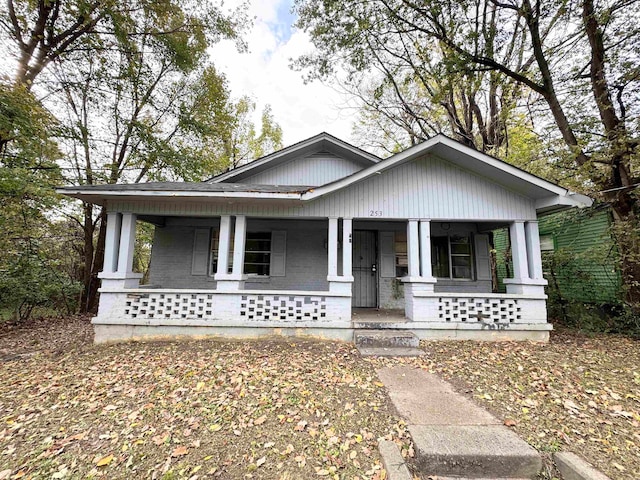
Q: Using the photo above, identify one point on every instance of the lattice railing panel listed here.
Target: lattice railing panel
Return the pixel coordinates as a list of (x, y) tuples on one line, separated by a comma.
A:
[(283, 308), (192, 306), (478, 309)]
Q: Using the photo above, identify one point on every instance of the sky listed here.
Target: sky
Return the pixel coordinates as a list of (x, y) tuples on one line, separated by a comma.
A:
[(263, 73)]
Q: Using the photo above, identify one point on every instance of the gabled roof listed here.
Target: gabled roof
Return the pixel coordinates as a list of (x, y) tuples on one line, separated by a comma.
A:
[(322, 142), (548, 196), (480, 163)]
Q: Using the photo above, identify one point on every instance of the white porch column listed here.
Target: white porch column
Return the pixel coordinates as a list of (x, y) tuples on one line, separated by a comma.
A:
[(339, 283), (332, 248), (347, 249), (420, 277), (112, 242), (519, 251), (533, 250), (413, 248), (425, 249), (239, 241), (127, 243), (235, 280), (223, 247), (119, 245), (522, 283)]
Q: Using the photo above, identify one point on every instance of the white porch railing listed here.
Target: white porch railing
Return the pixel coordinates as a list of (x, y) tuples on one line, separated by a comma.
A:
[(148, 306), (480, 309), (186, 305), (290, 308)]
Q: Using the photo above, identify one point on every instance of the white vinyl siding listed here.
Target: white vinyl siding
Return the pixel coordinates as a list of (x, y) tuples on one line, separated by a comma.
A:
[(314, 170), (426, 188)]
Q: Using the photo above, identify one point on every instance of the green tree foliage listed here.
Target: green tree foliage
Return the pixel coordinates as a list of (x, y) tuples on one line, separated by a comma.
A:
[(145, 105), (29, 276), (135, 99), (242, 142)]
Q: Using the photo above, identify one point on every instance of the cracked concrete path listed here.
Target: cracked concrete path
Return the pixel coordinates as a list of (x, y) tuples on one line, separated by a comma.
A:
[(452, 435)]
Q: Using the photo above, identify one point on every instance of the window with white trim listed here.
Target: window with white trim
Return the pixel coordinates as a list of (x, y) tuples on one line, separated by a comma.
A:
[(546, 243), (451, 257), (257, 253), (402, 261)]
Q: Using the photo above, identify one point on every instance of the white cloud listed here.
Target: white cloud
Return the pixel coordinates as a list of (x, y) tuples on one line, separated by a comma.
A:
[(264, 74)]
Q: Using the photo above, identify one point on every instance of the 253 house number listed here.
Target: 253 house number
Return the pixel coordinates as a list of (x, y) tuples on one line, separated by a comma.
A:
[(375, 213)]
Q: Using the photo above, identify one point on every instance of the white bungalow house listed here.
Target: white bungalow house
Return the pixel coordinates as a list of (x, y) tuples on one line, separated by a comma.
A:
[(293, 242)]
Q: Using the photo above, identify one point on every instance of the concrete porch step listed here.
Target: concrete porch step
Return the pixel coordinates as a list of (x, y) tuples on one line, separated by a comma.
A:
[(378, 324), (377, 338), (390, 352), (473, 451)]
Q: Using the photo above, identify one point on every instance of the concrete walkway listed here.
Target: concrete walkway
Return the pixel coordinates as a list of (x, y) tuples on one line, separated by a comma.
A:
[(452, 435)]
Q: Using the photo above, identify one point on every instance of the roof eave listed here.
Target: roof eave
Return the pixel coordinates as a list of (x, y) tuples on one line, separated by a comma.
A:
[(85, 194), (556, 203)]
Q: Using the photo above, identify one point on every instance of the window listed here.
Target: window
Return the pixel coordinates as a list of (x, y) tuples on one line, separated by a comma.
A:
[(440, 257), (402, 261), (257, 253), (546, 243), (451, 257), (215, 242)]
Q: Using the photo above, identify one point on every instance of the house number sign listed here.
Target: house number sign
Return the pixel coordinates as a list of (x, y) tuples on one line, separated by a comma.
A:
[(375, 213)]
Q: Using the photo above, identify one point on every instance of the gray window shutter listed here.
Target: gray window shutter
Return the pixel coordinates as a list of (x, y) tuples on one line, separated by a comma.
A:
[(200, 260), (278, 253), (387, 255), (483, 262)]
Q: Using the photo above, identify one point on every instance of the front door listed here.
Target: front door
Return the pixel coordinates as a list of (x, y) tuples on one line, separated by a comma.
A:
[(365, 284)]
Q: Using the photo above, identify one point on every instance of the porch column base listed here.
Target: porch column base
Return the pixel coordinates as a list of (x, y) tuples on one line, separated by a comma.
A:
[(120, 280), (525, 286), (413, 285), (230, 283), (340, 284)]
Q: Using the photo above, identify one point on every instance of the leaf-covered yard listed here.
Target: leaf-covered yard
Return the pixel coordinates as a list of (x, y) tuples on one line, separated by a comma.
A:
[(197, 409), (287, 409)]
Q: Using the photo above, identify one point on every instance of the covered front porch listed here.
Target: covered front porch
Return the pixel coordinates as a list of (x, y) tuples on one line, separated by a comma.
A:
[(242, 275)]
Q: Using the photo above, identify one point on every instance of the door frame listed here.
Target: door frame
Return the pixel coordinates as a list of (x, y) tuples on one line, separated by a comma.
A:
[(376, 257)]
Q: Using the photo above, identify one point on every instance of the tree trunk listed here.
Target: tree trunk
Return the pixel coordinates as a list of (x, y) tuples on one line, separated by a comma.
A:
[(90, 303), (88, 253), (626, 233)]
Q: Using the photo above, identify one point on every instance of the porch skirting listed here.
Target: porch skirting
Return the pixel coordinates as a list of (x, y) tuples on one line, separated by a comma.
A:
[(108, 331), (149, 312)]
